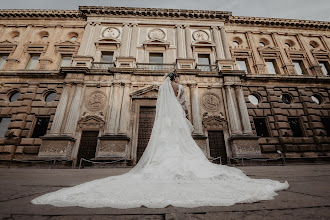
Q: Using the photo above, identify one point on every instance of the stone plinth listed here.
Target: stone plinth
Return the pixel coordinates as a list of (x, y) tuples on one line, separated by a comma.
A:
[(245, 146), (82, 61), (226, 64), (126, 62), (56, 146), (111, 146), (201, 142), (185, 63)]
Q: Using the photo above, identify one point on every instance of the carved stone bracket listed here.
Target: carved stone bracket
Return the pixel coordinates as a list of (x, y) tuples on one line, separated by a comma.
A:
[(214, 121), (92, 121)]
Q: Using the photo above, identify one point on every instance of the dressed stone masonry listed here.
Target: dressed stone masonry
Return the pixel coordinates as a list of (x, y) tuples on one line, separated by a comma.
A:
[(105, 65)]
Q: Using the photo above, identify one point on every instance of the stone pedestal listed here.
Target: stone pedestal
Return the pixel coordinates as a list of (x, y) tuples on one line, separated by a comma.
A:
[(82, 61), (59, 146), (126, 62), (112, 146), (185, 63), (245, 146), (201, 142)]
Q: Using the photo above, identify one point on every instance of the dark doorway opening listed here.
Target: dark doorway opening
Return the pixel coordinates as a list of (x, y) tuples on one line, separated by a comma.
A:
[(217, 146), (87, 147)]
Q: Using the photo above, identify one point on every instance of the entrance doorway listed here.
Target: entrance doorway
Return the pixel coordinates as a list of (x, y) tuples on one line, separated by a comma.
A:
[(146, 122), (87, 147), (217, 146)]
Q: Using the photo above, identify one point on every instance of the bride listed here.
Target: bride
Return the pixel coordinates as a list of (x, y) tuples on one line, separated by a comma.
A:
[(172, 170)]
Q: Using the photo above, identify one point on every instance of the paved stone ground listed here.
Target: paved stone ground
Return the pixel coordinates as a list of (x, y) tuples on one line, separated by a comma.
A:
[(307, 198)]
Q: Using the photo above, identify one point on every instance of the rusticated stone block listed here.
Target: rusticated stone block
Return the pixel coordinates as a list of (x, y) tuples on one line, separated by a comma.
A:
[(28, 125), (8, 149), (325, 112), (281, 118), (38, 104), (27, 103), (17, 124), (316, 125), (278, 111), (292, 148), (15, 104), (44, 111), (28, 96), (310, 147), (258, 112), (308, 140), (268, 148), (24, 133), (282, 125), (20, 117), (19, 149), (26, 110), (275, 133), (27, 141), (29, 118), (37, 141), (5, 110), (31, 149)]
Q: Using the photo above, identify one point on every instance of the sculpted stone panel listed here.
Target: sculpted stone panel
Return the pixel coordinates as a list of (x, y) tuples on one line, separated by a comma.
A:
[(54, 148), (111, 32), (200, 35), (112, 148), (96, 101), (211, 102), (156, 34)]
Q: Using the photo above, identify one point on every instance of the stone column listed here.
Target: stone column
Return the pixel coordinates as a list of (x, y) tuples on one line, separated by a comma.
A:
[(225, 43), (305, 45), (86, 39), (2, 30), (134, 39), (124, 41), (232, 112), (111, 124), (60, 111), (108, 116), (218, 43), (247, 129), (189, 53), (196, 116), (259, 64), (73, 116), (180, 41), (287, 63), (125, 111)]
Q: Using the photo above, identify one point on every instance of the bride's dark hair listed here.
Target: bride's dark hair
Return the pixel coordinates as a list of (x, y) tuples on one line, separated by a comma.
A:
[(172, 76)]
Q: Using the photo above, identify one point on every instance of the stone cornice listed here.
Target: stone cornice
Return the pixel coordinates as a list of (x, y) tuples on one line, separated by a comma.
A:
[(154, 12), (279, 22), (37, 14)]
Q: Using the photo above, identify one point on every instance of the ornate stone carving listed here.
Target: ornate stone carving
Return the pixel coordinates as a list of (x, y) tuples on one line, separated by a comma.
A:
[(156, 34), (111, 32), (96, 101), (92, 121), (200, 35), (211, 102), (214, 121)]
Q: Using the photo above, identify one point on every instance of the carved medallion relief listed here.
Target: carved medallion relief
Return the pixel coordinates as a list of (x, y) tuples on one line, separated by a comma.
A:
[(156, 34), (200, 35), (96, 101), (211, 102), (111, 32)]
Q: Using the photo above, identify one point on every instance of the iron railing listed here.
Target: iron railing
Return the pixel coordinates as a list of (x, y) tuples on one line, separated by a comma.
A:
[(156, 66), (207, 68), (102, 65)]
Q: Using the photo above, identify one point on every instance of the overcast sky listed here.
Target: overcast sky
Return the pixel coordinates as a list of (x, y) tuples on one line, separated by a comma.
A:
[(296, 9)]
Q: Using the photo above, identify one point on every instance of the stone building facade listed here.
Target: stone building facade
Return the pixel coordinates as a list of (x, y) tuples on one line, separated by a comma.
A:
[(83, 84)]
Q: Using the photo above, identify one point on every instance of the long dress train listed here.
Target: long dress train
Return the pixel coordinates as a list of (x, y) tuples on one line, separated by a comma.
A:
[(172, 171)]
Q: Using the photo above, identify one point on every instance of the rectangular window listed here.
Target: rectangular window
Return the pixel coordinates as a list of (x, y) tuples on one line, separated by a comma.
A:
[(295, 127), (204, 59), (155, 57), (40, 127), (66, 60), (325, 67), (4, 123), (326, 125), (3, 60), (261, 127), (242, 64), (299, 67), (271, 66), (33, 61), (107, 57)]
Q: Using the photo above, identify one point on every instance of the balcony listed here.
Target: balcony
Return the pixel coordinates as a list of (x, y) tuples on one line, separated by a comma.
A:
[(207, 68), (156, 66), (102, 65)]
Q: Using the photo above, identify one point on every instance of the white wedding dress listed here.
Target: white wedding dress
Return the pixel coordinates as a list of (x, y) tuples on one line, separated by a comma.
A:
[(172, 171)]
